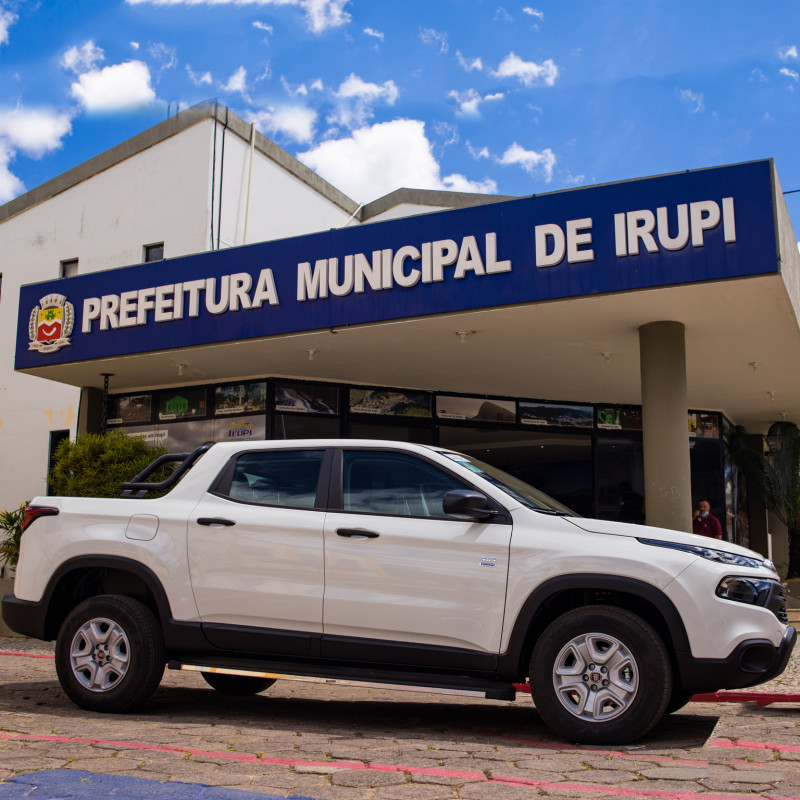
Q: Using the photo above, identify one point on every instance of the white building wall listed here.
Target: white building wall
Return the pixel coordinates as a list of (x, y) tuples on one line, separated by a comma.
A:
[(160, 194), (406, 210), (281, 204)]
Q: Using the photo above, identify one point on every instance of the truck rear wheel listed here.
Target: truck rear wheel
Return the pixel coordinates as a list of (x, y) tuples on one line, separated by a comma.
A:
[(600, 675), (110, 654)]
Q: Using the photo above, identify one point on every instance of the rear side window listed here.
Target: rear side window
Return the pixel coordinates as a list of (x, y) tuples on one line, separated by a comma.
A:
[(394, 483), (277, 478)]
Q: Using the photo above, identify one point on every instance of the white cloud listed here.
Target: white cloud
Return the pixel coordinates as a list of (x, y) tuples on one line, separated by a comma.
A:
[(355, 87), (695, 98), (165, 54), (301, 89), (7, 19), (529, 73), (134, 45), (10, 184), (263, 26), (531, 161), (469, 101), (33, 132), (377, 160), (533, 12), (447, 132), (293, 122), (459, 183), (434, 38), (355, 98), (317, 85), (112, 88), (237, 83), (789, 73), (83, 59), (788, 53), (503, 14), (758, 75), (469, 64), (199, 80), (320, 14), (372, 32), (476, 153)]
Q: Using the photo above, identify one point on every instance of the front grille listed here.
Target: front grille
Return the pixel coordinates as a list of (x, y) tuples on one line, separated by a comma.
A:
[(777, 603)]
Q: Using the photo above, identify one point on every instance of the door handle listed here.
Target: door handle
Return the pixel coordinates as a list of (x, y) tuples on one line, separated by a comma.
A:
[(215, 521), (355, 533)]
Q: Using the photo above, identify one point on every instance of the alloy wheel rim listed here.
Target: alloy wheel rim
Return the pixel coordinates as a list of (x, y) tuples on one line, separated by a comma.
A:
[(99, 654), (595, 677)]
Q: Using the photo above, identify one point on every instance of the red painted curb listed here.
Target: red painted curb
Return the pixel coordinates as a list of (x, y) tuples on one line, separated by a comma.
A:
[(723, 696)]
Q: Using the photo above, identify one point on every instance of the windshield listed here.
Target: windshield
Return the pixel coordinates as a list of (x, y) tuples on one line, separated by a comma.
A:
[(519, 490)]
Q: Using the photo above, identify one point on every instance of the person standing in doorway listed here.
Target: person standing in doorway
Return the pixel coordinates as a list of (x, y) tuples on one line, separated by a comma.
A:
[(704, 522)]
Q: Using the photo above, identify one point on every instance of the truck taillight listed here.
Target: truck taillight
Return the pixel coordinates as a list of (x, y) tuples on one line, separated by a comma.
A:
[(34, 512)]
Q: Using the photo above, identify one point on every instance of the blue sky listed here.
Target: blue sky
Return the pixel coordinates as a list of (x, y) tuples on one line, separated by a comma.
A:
[(493, 96)]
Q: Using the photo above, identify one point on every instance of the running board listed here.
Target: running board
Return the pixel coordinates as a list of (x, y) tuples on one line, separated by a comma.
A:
[(489, 692)]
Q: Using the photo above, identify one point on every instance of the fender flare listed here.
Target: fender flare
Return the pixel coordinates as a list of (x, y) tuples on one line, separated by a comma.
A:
[(511, 659), (121, 563)]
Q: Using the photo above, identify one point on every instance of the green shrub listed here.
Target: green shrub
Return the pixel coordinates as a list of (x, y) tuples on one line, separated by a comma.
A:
[(11, 532), (96, 465)]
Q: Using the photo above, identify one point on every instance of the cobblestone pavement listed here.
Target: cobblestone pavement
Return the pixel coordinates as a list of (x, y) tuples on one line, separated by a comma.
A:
[(339, 743)]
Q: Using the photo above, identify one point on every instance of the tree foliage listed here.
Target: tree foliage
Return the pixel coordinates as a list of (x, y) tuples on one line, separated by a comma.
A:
[(11, 532), (96, 465)]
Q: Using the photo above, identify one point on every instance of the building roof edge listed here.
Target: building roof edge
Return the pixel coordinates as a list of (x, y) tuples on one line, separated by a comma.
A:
[(161, 132)]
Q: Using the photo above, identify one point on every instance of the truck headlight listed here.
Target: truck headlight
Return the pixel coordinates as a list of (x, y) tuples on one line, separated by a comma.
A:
[(753, 591), (711, 554)]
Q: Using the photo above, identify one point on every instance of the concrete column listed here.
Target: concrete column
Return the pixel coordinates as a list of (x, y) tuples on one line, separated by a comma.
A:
[(90, 413), (667, 474)]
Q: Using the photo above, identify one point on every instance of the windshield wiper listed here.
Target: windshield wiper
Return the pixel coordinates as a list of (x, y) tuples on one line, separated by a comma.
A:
[(553, 512)]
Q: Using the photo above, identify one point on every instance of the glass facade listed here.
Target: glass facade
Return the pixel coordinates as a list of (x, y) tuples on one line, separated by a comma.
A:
[(587, 456)]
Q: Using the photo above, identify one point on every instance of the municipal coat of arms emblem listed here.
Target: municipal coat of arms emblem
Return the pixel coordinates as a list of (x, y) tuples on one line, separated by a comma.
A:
[(50, 324)]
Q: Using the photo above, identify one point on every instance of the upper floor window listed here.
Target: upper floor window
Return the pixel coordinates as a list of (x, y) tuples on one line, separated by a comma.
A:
[(154, 252), (68, 268)]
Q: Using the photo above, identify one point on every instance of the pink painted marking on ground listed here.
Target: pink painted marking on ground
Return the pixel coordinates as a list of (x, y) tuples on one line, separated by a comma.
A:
[(572, 748), (784, 748), (25, 655), (583, 788), (615, 792)]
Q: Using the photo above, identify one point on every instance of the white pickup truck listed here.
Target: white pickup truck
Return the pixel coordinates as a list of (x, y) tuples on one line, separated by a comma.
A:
[(389, 564)]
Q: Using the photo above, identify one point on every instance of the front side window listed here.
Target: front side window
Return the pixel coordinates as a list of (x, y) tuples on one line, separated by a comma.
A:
[(277, 478), (394, 483)]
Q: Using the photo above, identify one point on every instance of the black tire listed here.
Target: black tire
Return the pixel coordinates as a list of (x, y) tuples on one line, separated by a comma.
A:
[(678, 699), (110, 654), (237, 685), (613, 674)]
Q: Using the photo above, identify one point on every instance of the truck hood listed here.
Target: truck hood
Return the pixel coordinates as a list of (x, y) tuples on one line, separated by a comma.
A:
[(659, 534)]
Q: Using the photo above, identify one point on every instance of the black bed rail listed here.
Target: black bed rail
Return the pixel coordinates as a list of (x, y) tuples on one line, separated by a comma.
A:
[(139, 486)]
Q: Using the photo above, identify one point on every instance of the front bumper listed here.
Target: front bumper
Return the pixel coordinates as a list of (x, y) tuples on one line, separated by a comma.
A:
[(752, 662)]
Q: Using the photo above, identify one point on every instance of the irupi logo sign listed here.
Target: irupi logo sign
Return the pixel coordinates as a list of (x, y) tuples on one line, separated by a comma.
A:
[(241, 430), (50, 324)]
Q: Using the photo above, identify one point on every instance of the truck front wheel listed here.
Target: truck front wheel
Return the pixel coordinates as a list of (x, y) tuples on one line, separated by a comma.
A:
[(600, 675), (110, 654)]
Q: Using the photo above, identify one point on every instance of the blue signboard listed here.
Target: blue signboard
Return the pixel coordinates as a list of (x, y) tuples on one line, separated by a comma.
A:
[(675, 229)]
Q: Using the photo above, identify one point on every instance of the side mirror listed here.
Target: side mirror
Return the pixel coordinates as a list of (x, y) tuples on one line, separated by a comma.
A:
[(467, 504)]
